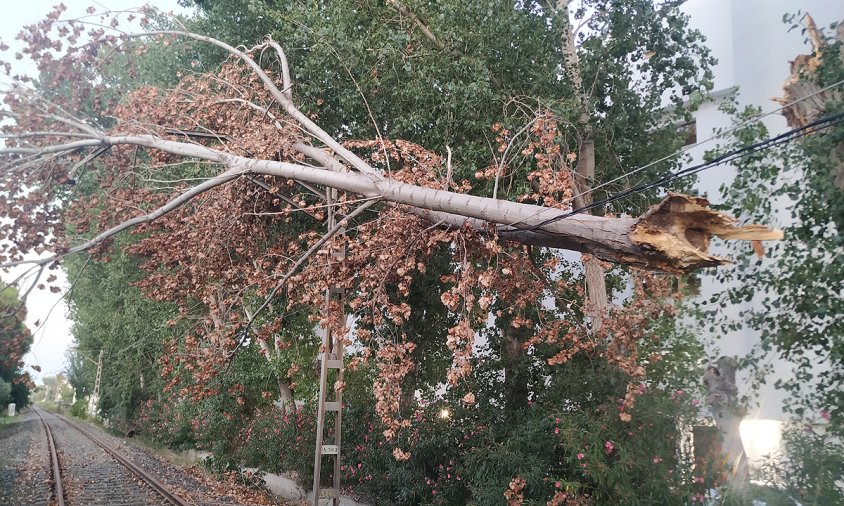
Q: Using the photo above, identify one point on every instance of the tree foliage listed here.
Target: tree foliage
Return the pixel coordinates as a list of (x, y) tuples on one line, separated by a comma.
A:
[(15, 342), (798, 288), (454, 132), (796, 293)]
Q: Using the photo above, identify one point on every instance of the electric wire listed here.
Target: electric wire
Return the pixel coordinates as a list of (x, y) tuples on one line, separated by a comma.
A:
[(789, 136), (719, 135)]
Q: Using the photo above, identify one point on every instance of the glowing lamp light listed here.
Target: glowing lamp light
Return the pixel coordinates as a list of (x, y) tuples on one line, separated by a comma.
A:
[(760, 438), (445, 413)]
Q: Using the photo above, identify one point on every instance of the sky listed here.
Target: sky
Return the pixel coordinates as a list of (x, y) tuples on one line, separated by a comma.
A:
[(53, 337)]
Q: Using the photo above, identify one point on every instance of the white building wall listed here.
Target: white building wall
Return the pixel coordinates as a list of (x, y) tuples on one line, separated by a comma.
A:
[(753, 47)]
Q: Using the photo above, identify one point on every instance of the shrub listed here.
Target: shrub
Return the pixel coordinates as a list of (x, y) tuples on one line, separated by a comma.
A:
[(165, 423), (279, 442), (471, 456), (814, 464), (79, 409)]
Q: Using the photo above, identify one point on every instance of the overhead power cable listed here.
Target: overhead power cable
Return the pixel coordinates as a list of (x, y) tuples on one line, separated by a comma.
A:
[(789, 136), (719, 135)]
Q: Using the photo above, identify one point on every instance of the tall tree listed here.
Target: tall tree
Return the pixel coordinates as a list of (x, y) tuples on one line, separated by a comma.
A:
[(460, 136), (15, 342), (111, 315)]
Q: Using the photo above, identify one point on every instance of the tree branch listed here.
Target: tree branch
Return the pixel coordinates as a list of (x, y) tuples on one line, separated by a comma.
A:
[(610, 239), (404, 11), (282, 97), (301, 261)]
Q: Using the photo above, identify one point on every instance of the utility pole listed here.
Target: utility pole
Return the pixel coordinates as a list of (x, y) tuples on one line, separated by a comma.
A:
[(95, 397), (332, 359)]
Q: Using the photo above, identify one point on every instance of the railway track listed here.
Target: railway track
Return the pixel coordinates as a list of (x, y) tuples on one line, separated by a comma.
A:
[(102, 485)]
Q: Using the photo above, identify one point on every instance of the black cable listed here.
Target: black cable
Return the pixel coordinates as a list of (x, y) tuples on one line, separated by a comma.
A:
[(789, 136)]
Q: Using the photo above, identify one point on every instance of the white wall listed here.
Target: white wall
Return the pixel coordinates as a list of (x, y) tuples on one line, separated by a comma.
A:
[(754, 48)]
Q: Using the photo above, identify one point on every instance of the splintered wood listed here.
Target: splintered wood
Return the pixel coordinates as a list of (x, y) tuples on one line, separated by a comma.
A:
[(677, 231)]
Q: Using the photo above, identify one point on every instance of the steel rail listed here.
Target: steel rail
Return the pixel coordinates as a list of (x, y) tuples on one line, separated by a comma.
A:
[(156, 485), (54, 459)]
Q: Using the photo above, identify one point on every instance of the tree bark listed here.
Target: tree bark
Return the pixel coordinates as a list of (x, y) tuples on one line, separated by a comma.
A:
[(658, 240), (285, 400), (720, 380), (597, 301)]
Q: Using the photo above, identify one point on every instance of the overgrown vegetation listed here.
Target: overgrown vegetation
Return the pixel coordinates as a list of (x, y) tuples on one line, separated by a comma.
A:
[(15, 341), (796, 289), (481, 370)]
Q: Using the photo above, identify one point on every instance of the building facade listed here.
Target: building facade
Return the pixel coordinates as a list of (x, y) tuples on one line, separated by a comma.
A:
[(754, 47)]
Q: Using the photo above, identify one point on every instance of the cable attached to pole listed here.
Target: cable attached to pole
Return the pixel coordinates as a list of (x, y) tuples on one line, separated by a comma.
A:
[(789, 136)]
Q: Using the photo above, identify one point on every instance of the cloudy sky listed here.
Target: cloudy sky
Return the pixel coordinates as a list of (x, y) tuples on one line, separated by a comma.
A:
[(52, 337)]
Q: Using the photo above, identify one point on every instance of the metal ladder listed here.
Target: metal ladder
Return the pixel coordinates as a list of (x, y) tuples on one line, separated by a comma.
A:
[(331, 359), (96, 396)]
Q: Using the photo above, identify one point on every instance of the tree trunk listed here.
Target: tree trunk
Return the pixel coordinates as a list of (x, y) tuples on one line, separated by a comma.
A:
[(285, 400), (720, 380), (597, 302), (407, 401), (516, 375), (663, 243), (673, 236)]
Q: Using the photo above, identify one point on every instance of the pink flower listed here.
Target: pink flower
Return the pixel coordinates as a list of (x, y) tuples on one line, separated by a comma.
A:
[(580, 456), (558, 484), (697, 479), (608, 447), (825, 415), (556, 420), (657, 459), (557, 430), (695, 402)]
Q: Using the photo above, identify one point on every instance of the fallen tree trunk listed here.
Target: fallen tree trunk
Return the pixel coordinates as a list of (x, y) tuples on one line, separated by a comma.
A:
[(672, 236)]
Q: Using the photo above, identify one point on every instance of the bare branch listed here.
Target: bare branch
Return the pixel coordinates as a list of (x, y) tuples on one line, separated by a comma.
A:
[(503, 160), (280, 96), (45, 134), (285, 68)]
